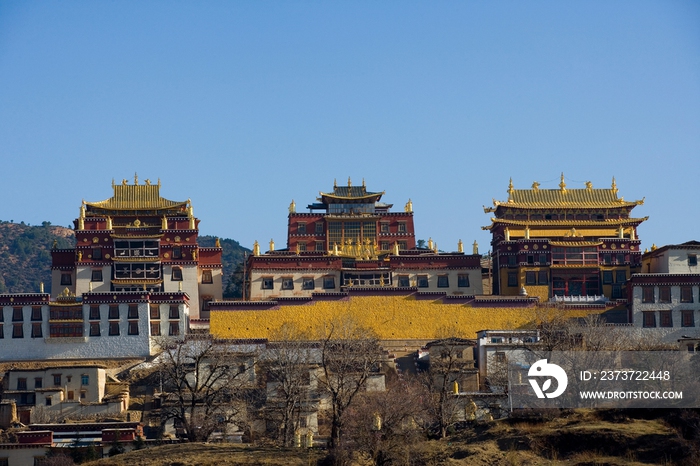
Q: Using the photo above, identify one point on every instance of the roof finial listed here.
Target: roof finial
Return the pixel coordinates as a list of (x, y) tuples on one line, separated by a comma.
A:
[(349, 182), (136, 178), (510, 188), (562, 185), (460, 246), (475, 247), (589, 186), (535, 186), (614, 186), (335, 183), (292, 207), (409, 206), (363, 183)]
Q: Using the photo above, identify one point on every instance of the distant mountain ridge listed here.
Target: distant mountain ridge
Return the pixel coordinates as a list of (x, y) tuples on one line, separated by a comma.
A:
[(25, 256)]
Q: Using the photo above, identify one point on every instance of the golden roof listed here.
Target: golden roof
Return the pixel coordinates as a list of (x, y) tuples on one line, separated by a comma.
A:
[(137, 197), (351, 192), (568, 223), (588, 197)]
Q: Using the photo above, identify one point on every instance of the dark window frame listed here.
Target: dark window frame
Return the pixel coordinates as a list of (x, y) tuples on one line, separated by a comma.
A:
[(463, 280)]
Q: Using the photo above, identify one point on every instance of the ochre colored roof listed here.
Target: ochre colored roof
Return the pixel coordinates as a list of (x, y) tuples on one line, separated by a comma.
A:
[(567, 223), (351, 193), (536, 198), (136, 197)]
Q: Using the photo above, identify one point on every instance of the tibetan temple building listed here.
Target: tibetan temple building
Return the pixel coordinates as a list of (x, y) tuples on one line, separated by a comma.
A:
[(137, 241), (564, 244), (349, 238)]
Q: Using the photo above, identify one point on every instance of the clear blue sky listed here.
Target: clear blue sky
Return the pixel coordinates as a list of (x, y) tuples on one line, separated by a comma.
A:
[(244, 106)]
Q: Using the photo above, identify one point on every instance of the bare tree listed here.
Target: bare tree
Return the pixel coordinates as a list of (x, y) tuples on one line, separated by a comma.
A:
[(387, 425), (204, 381), (349, 355), (288, 360), (448, 365)]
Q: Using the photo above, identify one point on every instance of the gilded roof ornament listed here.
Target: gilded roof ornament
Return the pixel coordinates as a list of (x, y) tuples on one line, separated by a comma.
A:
[(536, 186), (460, 246), (614, 186), (589, 186), (396, 248), (363, 183), (430, 243), (475, 247), (409, 206), (256, 248), (349, 182), (136, 178), (217, 243), (562, 185), (511, 190), (292, 207), (335, 183)]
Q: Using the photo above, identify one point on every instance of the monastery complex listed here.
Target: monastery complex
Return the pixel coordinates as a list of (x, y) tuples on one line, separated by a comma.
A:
[(137, 272)]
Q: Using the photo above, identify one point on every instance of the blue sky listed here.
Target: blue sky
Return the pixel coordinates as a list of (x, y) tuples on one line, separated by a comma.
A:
[(244, 106)]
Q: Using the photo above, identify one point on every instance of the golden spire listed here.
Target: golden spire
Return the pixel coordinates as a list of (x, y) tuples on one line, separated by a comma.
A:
[(363, 183), (460, 246), (535, 186), (396, 248), (475, 247), (272, 245), (527, 232), (349, 182), (409, 206), (506, 233), (298, 249), (218, 243), (510, 188), (653, 247), (562, 185), (436, 248), (136, 178), (589, 186), (164, 223), (430, 243), (614, 186), (109, 223), (41, 287), (292, 207), (256, 248)]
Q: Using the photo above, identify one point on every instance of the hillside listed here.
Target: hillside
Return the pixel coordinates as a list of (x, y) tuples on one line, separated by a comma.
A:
[(577, 438), (25, 256)]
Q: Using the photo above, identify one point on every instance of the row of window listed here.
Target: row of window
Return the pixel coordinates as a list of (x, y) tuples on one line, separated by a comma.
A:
[(67, 330), (571, 256), (142, 271), (57, 381), (568, 216), (541, 277), (76, 313), (664, 296), (309, 283), (665, 318), (384, 227)]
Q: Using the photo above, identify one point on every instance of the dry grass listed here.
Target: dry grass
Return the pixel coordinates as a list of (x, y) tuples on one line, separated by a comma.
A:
[(581, 438), (202, 454)]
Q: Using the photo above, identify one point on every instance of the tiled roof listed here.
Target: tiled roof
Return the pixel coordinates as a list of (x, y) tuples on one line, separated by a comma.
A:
[(137, 197)]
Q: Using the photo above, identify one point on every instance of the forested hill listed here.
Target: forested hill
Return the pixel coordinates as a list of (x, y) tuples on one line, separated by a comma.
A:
[(25, 256)]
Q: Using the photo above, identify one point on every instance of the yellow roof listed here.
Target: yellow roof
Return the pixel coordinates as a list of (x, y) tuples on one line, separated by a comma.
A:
[(567, 223), (588, 197), (137, 197)]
